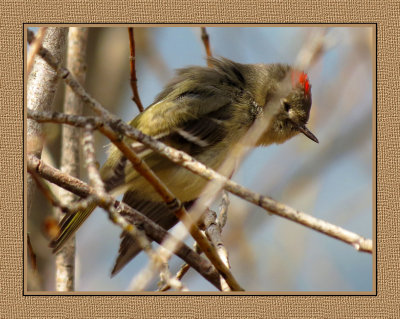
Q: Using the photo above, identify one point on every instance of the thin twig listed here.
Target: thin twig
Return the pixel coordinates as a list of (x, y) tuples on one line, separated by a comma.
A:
[(132, 59), (206, 41), (182, 270), (223, 210), (172, 282), (91, 162), (153, 230), (213, 232), (221, 221), (32, 255)]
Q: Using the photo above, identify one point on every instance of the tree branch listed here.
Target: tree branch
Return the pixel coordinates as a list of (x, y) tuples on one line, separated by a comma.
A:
[(213, 232), (206, 41), (76, 62), (132, 59), (41, 90), (183, 159)]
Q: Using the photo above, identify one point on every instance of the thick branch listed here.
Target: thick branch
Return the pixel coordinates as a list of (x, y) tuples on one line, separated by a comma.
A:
[(42, 83), (76, 62)]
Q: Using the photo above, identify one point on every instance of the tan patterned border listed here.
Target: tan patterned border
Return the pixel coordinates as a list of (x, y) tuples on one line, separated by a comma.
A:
[(14, 305)]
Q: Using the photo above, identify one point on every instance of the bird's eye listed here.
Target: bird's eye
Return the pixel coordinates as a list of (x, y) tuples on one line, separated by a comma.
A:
[(286, 105)]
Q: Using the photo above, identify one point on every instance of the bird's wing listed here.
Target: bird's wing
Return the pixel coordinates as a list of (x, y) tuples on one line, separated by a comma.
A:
[(192, 120)]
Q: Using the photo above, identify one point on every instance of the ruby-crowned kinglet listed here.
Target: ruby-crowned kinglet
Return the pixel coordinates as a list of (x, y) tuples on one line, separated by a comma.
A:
[(203, 111)]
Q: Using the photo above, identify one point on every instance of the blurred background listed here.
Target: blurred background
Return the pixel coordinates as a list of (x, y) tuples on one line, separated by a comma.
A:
[(332, 180)]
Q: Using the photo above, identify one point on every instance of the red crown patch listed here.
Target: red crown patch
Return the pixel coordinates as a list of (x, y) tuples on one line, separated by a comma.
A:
[(302, 79)]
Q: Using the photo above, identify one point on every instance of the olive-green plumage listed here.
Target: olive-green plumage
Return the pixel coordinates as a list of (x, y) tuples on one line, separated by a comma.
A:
[(203, 112)]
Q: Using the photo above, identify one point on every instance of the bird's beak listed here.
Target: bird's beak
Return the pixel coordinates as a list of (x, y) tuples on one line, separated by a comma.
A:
[(303, 129)]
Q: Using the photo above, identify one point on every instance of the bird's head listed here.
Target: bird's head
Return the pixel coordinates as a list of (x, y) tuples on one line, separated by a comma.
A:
[(288, 99)]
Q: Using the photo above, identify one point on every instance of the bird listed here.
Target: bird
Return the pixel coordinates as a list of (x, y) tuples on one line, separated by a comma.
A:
[(202, 111)]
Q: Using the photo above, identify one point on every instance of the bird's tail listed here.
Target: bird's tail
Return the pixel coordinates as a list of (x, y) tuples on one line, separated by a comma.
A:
[(156, 211), (69, 225)]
